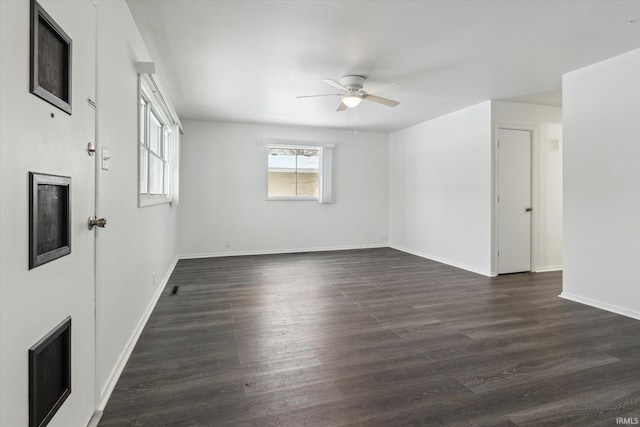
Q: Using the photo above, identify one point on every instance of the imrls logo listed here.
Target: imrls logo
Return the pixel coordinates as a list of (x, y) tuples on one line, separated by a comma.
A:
[(630, 421)]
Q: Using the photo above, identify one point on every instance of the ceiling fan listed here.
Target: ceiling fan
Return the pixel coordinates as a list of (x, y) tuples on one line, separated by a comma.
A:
[(353, 92)]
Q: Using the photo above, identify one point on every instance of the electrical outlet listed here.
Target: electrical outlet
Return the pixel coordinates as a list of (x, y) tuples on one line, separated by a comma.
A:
[(384, 236), (227, 243)]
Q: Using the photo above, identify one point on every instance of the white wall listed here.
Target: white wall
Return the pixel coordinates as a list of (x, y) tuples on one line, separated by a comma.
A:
[(223, 191), (602, 184), (440, 188), (546, 196), (137, 250)]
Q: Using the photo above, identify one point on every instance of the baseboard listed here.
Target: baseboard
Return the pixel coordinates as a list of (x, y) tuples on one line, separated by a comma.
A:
[(107, 389), (444, 261), (601, 305), (548, 268), (280, 251), (95, 419)]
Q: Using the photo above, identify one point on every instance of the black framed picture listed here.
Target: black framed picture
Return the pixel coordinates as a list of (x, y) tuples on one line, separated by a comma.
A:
[(50, 59), (49, 218), (49, 374)]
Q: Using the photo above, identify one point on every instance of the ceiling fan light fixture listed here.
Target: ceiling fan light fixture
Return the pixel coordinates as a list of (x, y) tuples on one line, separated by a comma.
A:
[(351, 101)]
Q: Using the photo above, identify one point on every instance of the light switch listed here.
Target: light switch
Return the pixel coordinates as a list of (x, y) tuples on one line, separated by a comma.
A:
[(106, 156)]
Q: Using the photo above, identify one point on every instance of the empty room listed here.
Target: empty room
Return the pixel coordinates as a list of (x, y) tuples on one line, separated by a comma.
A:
[(319, 213)]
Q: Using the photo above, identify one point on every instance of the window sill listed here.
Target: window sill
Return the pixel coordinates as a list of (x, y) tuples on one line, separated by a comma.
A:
[(292, 199), (149, 200)]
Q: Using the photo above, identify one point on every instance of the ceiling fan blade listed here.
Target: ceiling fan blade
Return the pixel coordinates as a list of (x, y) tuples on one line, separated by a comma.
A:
[(335, 84), (382, 88), (341, 107), (380, 100), (324, 94)]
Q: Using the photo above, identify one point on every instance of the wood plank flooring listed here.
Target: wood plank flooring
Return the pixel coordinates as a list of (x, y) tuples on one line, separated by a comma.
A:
[(373, 337)]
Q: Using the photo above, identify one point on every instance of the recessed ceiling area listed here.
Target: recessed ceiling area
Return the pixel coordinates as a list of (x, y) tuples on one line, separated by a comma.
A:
[(247, 61)]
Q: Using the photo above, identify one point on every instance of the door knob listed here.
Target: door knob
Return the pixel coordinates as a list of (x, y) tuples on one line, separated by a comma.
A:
[(528, 209), (96, 222)]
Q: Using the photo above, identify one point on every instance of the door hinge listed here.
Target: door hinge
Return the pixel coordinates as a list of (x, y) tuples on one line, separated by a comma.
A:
[(498, 253), (498, 198)]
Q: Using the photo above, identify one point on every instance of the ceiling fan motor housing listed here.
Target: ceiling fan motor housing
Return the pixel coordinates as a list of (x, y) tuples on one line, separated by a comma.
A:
[(353, 83)]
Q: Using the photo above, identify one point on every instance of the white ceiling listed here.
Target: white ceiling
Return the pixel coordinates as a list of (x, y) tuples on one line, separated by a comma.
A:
[(247, 60)]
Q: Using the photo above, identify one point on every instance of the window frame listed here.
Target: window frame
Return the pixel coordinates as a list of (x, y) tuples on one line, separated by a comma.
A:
[(167, 148), (294, 145)]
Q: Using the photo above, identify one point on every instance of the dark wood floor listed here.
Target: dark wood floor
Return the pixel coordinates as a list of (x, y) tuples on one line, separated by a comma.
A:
[(373, 338)]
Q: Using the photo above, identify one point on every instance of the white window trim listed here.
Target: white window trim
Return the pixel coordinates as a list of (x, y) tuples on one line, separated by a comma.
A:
[(325, 150), (147, 87), (296, 144), (292, 198)]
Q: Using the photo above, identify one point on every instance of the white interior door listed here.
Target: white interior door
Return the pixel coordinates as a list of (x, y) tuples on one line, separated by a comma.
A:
[(39, 138), (514, 201)]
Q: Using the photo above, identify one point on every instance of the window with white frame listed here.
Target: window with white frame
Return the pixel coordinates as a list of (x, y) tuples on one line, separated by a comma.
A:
[(298, 172), (157, 147)]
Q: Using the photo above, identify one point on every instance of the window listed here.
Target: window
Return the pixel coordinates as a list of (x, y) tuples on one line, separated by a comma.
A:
[(154, 152), (298, 172), (293, 172), (158, 147)]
